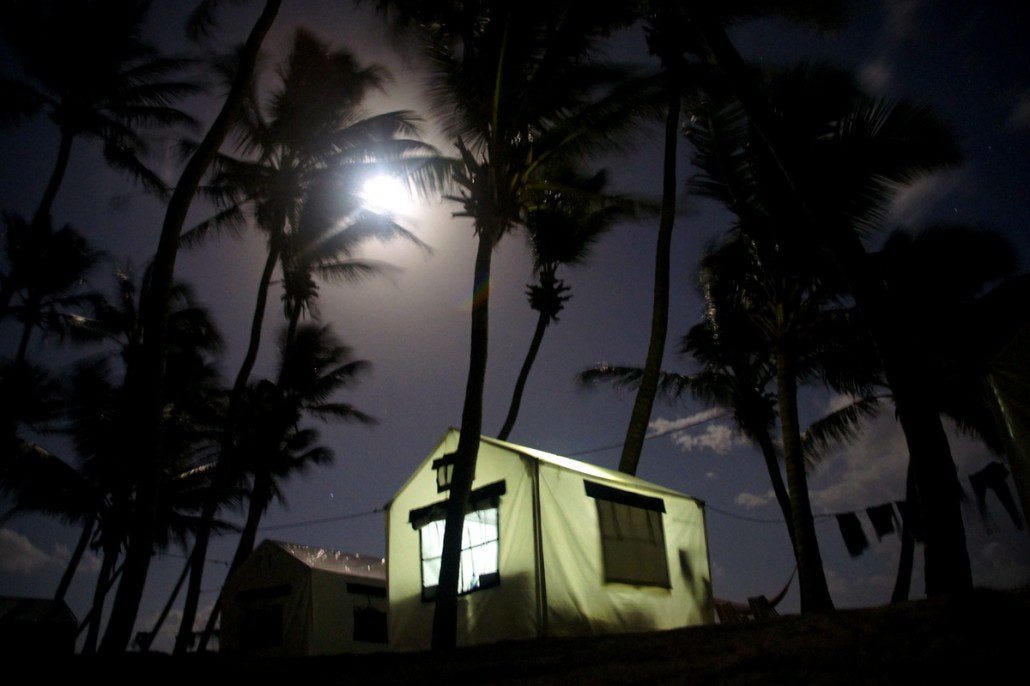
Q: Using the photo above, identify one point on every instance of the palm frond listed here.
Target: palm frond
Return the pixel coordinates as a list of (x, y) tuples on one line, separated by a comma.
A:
[(837, 427)]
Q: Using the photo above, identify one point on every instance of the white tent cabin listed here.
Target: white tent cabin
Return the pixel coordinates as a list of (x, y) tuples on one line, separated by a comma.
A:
[(551, 547), (294, 600)]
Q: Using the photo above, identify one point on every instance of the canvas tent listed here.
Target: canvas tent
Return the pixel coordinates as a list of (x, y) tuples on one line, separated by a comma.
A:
[(291, 600), (551, 547)]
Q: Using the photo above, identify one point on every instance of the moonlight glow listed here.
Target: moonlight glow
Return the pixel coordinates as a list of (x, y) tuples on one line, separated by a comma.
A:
[(387, 195)]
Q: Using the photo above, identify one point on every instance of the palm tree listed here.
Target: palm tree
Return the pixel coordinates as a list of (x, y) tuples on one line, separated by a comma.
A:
[(310, 142), (935, 279), (48, 270), (516, 89), (735, 377), (146, 376), (562, 229), (313, 367), (767, 329), (837, 158), (87, 66), (682, 36), (40, 482), (98, 491), (102, 413), (322, 247)]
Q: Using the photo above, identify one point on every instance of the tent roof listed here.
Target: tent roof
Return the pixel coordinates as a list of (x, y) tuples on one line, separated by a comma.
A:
[(363, 567), (585, 468)]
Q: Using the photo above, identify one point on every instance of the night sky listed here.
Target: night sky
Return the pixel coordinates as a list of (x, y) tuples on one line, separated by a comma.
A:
[(966, 60)]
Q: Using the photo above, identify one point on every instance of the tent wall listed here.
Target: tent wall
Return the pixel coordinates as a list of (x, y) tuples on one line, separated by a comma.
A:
[(331, 624), (334, 600), (267, 606), (506, 611), (580, 601)]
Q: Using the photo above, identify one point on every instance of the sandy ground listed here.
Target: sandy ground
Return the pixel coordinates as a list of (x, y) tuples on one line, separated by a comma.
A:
[(983, 637)]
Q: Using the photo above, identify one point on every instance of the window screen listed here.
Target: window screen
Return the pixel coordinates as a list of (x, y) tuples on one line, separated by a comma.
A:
[(480, 542), (632, 536)]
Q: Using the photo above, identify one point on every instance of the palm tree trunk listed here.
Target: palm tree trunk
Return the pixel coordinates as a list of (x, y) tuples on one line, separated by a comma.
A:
[(138, 552), (520, 383), (260, 496), (223, 469), (88, 619), (146, 378), (903, 582), (644, 402), (46, 203), (445, 616), (815, 595), (100, 596), (76, 558), (145, 647), (938, 492), (772, 465)]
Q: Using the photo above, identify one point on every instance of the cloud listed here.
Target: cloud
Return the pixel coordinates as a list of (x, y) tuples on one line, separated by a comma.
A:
[(164, 641), (19, 555), (1019, 118), (913, 202), (61, 555), (661, 425), (717, 437), (750, 501)]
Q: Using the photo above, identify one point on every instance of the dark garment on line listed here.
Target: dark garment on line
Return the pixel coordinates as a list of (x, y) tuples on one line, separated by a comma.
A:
[(911, 519), (882, 518), (994, 476), (851, 532)]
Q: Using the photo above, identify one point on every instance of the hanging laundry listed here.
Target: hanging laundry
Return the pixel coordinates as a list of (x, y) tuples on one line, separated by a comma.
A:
[(851, 532), (911, 519), (883, 519), (994, 477)]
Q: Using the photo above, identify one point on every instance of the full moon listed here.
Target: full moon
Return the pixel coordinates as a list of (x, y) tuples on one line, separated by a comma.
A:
[(386, 194)]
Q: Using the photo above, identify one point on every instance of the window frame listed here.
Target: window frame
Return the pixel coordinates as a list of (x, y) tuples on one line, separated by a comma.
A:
[(618, 498), (487, 497)]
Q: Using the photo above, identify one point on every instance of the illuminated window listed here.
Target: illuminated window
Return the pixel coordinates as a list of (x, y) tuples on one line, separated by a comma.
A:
[(632, 536), (480, 542)]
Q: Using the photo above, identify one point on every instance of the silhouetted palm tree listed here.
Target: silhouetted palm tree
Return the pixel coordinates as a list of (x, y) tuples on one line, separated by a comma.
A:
[(46, 271), (562, 228), (516, 89), (146, 376), (768, 327), (272, 446), (311, 152), (87, 65), (859, 152), (688, 39), (935, 280)]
